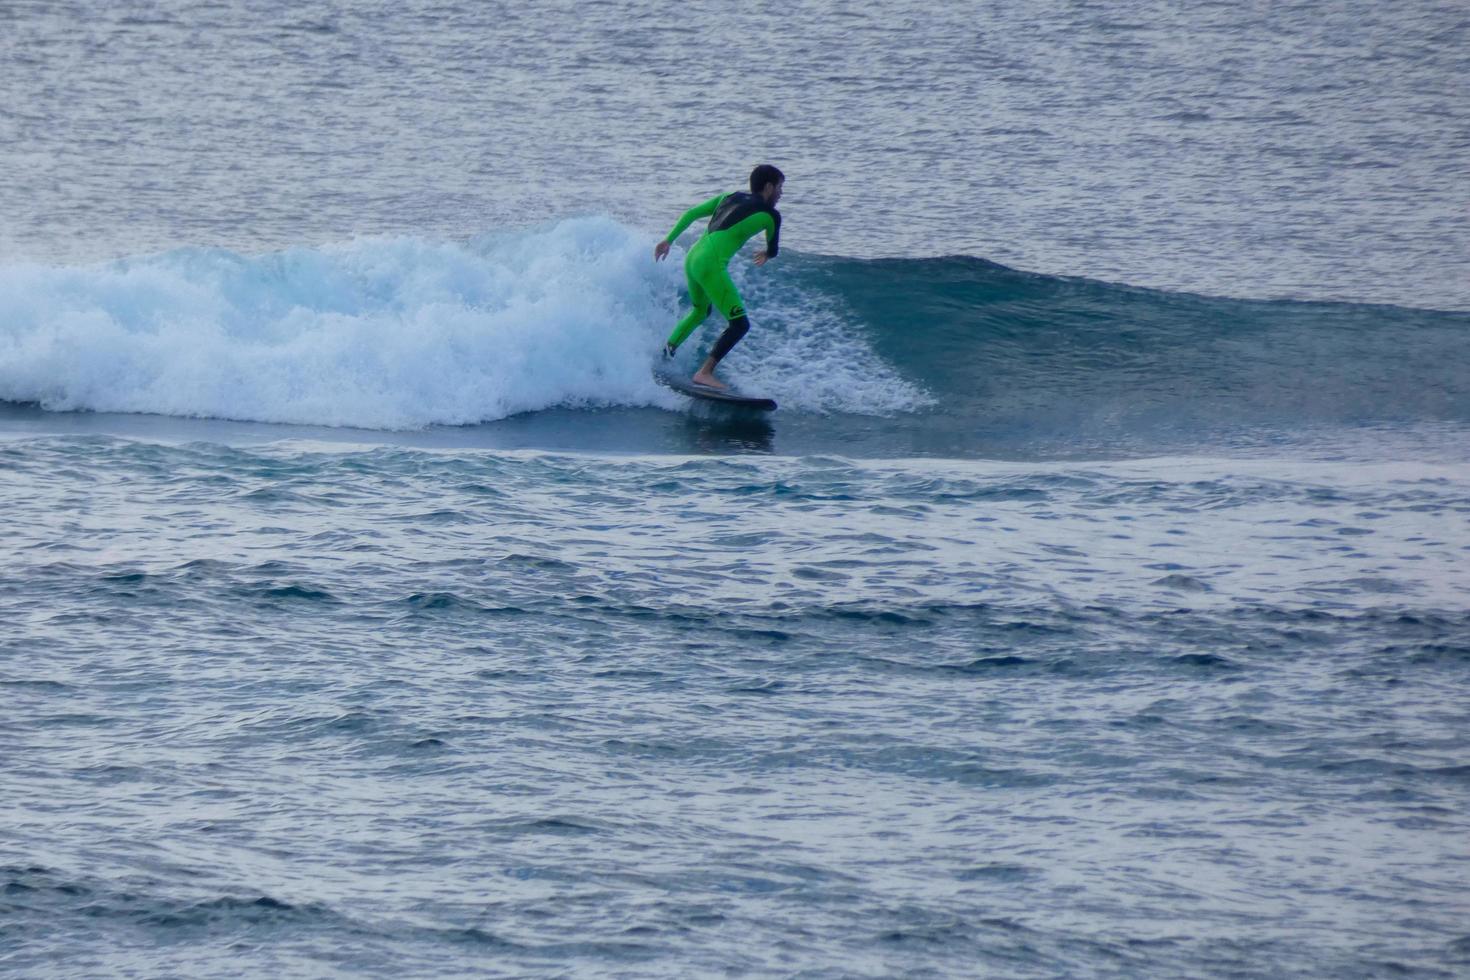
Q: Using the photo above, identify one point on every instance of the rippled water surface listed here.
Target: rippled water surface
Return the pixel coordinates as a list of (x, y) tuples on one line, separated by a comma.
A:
[(302, 709), (1094, 604), (1301, 149)]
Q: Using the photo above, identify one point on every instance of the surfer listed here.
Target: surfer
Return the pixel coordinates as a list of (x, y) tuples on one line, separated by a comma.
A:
[(733, 219)]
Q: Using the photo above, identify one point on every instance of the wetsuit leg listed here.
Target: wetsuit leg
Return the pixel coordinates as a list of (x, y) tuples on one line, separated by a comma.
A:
[(715, 280), (720, 290), (694, 317), (736, 330)]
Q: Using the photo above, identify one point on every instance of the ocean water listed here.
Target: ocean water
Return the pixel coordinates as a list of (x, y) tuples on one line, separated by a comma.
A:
[(1094, 605)]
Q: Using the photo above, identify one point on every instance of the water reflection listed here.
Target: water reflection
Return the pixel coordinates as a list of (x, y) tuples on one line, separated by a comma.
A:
[(727, 429)]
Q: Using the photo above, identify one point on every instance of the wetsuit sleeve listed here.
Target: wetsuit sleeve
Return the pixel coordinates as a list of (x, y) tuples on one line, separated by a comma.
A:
[(773, 237), (692, 215)]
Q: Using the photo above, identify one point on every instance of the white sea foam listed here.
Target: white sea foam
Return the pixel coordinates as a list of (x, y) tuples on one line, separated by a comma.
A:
[(806, 349), (398, 333)]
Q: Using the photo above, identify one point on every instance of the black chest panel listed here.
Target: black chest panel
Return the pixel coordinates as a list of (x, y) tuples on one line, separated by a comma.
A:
[(738, 206)]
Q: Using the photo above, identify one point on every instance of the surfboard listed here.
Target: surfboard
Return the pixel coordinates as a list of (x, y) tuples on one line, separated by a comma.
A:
[(724, 396)]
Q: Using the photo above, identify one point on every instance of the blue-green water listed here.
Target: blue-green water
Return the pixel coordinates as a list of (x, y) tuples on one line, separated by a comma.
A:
[(1094, 604), (303, 709)]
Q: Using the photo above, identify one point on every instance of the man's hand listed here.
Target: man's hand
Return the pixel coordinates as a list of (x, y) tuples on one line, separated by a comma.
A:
[(760, 257), (660, 250)]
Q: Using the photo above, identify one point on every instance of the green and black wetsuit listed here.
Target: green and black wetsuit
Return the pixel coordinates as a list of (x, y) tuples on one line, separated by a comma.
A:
[(734, 218)]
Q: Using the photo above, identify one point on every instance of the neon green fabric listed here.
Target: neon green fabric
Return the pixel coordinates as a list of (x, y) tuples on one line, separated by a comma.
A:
[(727, 241), (705, 269), (692, 215), (709, 286)]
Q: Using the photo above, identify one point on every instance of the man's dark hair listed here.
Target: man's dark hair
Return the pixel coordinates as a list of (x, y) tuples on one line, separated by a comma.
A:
[(763, 175)]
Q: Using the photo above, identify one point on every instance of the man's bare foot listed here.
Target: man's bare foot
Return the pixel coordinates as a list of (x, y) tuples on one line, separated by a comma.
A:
[(707, 379)]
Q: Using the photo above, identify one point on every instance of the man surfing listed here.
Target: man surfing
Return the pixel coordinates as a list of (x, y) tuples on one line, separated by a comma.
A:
[(733, 219)]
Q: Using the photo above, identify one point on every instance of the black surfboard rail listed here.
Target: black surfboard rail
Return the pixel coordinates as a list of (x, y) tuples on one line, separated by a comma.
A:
[(724, 396)]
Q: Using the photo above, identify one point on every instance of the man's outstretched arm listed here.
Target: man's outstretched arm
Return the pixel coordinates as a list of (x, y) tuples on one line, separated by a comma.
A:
[(685, 220)]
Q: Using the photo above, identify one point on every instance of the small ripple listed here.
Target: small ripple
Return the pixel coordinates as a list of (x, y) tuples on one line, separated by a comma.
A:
[(1182, 583), (443, 516), (558, 826), (227, 912), (1206, 661), (450, 602), (43, 686), (287, 593), (986, 665), (999, 873), (539, 563)]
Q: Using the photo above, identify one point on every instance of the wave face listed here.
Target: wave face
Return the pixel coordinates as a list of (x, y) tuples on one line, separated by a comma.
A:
[(406, 333), (1051, 353), (377, 333), (388, 333)]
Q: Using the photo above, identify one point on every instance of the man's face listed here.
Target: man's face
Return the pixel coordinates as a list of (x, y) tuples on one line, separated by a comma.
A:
[(773, 192)]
